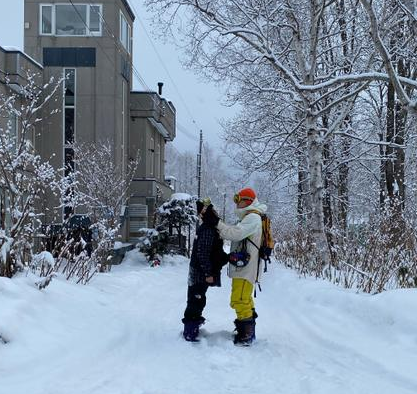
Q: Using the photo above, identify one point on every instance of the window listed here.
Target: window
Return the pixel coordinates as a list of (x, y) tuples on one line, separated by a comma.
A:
[(125, 33), (95, 25), (124, 122), (129, 36), (70, 87), (71, 19), (69, 127), (69, 57), (69, 161), (152, 157), (158, 161), (69, 106), (46, 13)]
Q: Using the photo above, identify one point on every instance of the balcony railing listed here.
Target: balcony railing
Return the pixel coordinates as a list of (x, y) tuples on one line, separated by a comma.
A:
[(160, 111)]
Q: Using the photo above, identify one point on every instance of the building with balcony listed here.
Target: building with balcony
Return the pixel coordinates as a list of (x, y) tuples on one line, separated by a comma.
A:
[(89, 45)]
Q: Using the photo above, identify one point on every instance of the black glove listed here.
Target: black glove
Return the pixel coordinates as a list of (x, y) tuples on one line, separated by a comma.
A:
[(225, 258), (210, 216)]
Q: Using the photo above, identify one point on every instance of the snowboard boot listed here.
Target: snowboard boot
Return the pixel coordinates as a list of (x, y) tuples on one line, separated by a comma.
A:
[(191, 330), (245, 332)]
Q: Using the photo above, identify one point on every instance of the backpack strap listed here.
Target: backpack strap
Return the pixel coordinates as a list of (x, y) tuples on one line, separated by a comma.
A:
[(259, 257), (253, 211)]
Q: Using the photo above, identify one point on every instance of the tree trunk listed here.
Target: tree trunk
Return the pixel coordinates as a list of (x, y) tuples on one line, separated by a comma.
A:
[(327, 207), (389, 151), (343, 184), (343, 189), (399, 163), (382, 176), (303, 194), (395, 156), (315, 161)]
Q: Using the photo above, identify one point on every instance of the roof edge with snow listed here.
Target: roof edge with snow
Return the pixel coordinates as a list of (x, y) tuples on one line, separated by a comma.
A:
[(7, 49)]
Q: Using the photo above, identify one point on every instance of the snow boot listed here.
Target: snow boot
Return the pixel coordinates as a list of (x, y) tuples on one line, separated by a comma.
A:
[(191, 330), (245, 332)]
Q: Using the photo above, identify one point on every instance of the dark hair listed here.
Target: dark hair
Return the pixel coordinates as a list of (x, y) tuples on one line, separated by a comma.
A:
[(210, 217), (200, 206)]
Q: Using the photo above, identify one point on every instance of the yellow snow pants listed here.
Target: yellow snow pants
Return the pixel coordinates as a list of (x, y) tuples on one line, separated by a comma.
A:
[(241, 300)]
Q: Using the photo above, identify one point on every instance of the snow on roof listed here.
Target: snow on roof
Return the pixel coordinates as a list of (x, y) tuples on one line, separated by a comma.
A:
[(10, 48), (16, 49)]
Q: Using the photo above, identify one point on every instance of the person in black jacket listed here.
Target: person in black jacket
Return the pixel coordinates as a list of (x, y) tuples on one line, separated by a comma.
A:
[(207, 259)]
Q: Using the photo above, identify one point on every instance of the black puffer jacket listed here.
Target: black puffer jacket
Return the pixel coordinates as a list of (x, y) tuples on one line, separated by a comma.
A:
[(207, 256)]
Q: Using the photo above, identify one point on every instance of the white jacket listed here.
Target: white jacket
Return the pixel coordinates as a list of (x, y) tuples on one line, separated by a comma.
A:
[(250, 226)]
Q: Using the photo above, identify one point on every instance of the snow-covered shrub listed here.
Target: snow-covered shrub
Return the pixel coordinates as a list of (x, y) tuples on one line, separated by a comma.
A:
[(73, 252), (153, 243), (371, 257), (101, 188), (177, 214), (43, 263), (98, 192)]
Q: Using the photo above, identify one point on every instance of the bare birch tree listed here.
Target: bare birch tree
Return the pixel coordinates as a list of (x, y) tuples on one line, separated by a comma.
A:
[(280, 48)]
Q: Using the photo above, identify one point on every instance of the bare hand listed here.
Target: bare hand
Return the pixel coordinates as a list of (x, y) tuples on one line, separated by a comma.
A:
[(209, 279)]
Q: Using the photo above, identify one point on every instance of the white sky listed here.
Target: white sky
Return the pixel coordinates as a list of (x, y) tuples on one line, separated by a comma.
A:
[(202, 108)]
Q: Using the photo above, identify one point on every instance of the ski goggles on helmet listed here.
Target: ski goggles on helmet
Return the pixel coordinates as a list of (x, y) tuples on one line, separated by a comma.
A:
[(205, 201), (237, 198)]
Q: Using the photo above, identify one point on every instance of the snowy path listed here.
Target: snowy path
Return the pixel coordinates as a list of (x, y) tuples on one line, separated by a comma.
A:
[(121, 335)]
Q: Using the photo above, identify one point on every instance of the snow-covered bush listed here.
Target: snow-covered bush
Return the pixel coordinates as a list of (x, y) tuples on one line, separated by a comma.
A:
[(153, 243), (24, 176), (177, 214), (371, 257), (101, 188), (95, 192), (43, 263)]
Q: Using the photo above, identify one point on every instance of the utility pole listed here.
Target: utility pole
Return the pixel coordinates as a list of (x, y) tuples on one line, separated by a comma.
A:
[(199, 156), (224, 206)]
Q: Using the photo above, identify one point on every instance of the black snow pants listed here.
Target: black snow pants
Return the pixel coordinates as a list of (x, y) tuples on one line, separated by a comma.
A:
[(196, 301)]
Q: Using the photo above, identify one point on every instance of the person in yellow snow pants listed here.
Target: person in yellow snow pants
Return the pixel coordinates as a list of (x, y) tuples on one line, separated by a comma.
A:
[(246, 237), (241, 299)]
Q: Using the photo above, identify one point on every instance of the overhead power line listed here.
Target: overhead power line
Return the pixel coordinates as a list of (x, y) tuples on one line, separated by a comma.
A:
[(136, 73), (164, 65)]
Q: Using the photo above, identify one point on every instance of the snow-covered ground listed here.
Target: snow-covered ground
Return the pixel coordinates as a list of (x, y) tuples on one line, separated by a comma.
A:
[(121, 334)]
